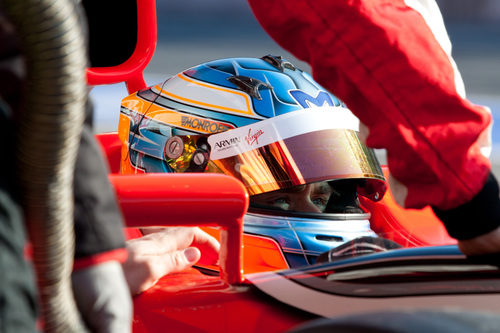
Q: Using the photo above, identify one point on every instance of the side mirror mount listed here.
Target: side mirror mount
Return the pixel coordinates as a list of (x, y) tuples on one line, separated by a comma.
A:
[(121, 41), (196, 199)]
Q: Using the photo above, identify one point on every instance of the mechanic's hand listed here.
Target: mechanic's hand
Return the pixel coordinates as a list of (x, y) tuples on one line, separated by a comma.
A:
[(166, 250)]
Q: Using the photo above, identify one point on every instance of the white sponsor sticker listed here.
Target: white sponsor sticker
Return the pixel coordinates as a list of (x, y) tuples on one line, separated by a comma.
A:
[(262, 133)]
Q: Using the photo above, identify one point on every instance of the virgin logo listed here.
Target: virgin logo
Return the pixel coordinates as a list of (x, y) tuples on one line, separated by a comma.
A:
[(253, 138)]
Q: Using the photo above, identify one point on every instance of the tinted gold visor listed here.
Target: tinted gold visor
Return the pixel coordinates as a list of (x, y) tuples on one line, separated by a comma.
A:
[(317, 155)]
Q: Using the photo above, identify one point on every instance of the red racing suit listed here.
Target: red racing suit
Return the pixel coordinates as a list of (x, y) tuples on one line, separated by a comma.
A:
[(389, 61)]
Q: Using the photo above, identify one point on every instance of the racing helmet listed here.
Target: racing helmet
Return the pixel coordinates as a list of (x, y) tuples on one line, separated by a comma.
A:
[(294, 145)]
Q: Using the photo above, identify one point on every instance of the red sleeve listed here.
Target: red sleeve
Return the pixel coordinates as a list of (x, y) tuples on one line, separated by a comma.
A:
[(382, 59), (119, 255)]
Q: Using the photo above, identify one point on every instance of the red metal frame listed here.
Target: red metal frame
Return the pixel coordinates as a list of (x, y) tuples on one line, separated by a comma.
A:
[(131, 71), (189, 200)]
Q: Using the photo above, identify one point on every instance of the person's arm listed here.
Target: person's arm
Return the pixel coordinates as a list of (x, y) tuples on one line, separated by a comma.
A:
[(98, 219), (99, 285), (390, 63)]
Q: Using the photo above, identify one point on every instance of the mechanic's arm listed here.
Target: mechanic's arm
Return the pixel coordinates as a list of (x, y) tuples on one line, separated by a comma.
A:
[(166, 250), (391, 64), (99, 285)]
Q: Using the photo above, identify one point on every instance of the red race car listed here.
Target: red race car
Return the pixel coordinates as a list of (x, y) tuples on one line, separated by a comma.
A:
[(281, 269), (258, 154)]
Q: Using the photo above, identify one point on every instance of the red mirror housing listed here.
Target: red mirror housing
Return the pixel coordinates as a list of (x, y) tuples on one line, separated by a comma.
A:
[(105, 28)]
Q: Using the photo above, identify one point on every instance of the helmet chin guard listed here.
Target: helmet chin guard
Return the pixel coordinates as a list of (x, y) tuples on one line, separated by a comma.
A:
[(305, 236)]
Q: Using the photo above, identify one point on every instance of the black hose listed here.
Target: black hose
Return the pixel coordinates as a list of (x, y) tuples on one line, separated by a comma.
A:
[(47, 141)]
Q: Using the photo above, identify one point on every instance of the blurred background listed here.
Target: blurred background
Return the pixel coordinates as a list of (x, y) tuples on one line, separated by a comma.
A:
[(194, 31)]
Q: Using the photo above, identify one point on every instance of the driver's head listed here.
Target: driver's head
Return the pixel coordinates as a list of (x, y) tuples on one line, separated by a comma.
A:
[(293, 144)]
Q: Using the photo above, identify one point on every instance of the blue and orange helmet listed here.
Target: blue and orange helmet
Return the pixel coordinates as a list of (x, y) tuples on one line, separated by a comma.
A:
[(265, 122)]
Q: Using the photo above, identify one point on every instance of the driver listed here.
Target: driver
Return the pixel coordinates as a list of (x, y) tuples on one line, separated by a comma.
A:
[(307, 198), (292, 144), (320, 197)]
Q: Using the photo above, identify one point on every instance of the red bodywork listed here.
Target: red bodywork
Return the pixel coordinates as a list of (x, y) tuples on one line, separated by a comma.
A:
[(195, 301), (192, 301)]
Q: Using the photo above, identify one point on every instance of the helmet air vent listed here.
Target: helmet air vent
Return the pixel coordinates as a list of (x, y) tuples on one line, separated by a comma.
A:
[(329, 238), (249, 85), (278, 62)]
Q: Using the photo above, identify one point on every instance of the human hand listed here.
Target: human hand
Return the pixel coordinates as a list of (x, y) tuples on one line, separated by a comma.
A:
[(166, 250)]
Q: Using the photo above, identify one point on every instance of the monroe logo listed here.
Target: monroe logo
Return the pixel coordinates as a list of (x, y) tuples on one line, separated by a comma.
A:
[(226, 143), (203, 125), (253, 138)]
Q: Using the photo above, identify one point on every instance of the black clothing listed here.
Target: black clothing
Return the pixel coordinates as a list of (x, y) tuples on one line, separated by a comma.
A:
[(17, 281), (98, 220)]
